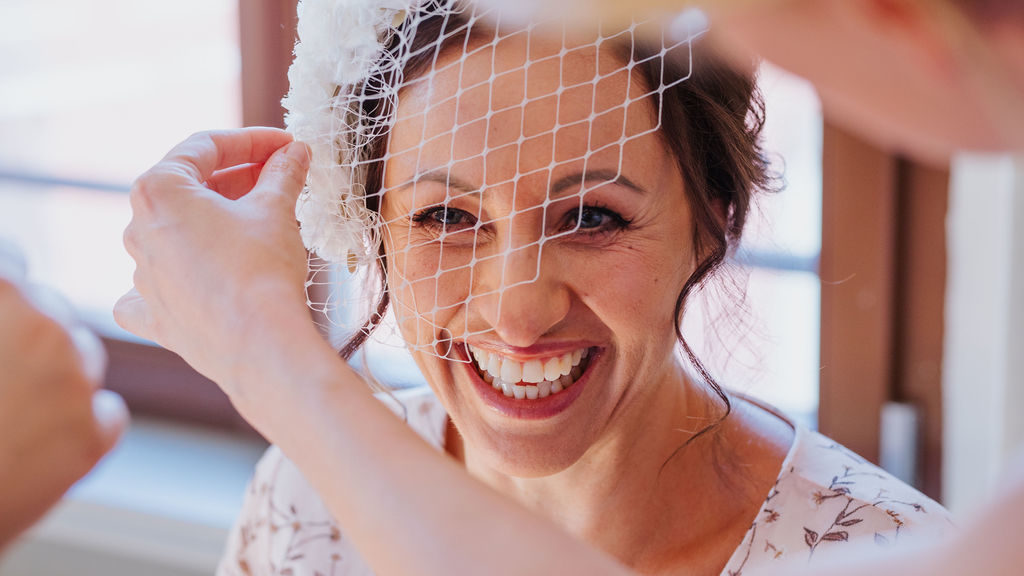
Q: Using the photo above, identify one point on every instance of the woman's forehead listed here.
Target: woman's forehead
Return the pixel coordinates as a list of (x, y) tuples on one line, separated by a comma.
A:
[(550, 100)]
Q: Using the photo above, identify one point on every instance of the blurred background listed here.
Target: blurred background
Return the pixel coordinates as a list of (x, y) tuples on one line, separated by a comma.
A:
[(868, 313)]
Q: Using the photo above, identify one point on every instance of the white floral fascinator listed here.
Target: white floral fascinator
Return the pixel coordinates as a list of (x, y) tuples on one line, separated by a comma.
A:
[(341, 45)]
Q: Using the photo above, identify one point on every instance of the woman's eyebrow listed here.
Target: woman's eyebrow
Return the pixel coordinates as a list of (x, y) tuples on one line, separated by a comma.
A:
[(441, 177), (558, 188), (576, 179)]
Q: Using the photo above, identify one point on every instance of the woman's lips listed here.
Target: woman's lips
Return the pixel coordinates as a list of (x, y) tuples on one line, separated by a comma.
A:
[(535, 389)]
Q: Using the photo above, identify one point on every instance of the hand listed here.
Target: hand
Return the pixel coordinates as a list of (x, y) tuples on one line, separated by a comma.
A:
[(55, 422), (219, 259)]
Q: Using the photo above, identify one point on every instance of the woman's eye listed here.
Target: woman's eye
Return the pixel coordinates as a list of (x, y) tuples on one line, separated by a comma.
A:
[(443, 217), (590, 218), (594, 219)]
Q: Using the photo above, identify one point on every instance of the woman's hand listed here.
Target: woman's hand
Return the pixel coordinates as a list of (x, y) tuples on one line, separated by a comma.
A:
[(220, 267)]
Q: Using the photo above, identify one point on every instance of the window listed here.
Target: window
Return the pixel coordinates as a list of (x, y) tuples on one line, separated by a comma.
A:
[(91, 95), (766, 343)]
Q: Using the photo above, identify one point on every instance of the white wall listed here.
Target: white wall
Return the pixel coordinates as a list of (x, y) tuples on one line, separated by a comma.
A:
[(983, 377)]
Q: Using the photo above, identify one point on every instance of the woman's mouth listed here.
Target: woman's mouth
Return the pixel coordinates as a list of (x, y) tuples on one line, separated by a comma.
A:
[(533, 379)]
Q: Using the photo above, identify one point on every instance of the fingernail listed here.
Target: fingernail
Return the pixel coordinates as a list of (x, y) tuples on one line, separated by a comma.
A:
[(110, 413), (300, 152), (92, 353)]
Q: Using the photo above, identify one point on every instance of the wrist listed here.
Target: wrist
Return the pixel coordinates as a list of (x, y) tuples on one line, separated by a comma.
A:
[(284, 372), (267, 318)]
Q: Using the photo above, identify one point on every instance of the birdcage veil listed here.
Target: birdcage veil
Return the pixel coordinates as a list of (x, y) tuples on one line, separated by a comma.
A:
[(356, 59)]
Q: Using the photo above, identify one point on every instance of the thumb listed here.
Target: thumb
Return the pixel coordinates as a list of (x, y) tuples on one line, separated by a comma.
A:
[(132, 313), (284, 174)]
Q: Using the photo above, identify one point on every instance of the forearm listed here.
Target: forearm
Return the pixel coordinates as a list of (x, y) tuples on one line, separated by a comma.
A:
[(408, 509)]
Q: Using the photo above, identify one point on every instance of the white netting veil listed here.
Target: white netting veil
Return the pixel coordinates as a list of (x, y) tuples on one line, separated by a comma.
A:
[(450, 151)]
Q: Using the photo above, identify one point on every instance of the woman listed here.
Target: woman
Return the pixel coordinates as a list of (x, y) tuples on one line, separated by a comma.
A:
[(541, 228)]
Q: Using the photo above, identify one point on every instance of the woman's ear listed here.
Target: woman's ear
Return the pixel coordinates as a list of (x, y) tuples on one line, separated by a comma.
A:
[(721, 211)]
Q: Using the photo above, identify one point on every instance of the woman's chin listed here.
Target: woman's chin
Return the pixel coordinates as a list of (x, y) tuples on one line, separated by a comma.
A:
[(523, 455)]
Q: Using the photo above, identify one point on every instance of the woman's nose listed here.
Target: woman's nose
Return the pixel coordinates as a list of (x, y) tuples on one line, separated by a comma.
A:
[(520, 293)]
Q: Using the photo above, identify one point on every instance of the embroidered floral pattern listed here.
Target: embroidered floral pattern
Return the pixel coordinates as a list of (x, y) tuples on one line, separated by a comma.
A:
[(827, 496)]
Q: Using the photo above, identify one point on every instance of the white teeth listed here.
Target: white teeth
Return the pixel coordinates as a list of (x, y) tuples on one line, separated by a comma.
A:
[(564, 364), (531, 379), (533, 371), (511, 371), (494, 366), (544, 389), (551, 370)]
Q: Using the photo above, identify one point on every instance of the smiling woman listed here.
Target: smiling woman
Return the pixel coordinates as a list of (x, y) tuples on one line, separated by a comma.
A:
[(537, 206), (535, 187)]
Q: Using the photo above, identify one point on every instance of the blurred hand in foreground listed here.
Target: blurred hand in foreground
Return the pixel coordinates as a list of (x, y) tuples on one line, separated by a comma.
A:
[(55, 421)]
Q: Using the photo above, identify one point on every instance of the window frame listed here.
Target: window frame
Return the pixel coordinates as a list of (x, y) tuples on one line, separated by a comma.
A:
[(883, 273)]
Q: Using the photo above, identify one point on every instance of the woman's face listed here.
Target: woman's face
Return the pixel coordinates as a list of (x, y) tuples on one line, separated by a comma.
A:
[(537, 237)]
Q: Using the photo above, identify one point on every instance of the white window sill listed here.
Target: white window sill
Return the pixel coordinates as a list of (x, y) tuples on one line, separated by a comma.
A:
[(163, 501)]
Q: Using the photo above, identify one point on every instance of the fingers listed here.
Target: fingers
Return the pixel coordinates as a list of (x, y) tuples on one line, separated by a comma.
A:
[(233, 183), (284, 174), (92, 354), (111, 416), (132, 313), (204, 153)]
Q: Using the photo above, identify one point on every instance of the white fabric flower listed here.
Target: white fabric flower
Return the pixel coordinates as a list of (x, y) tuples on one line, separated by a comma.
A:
[(340, 44)]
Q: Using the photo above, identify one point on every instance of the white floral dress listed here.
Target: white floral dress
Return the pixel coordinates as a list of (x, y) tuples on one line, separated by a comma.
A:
[(824, 496)]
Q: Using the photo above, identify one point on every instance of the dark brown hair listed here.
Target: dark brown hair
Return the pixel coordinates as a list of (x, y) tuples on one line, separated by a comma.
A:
[(711, 122)]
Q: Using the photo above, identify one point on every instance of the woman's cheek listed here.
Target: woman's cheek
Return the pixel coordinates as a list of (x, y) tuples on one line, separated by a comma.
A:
[(426, 300)]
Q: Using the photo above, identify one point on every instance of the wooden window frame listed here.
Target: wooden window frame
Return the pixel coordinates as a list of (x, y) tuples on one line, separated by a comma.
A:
[(883, 271)]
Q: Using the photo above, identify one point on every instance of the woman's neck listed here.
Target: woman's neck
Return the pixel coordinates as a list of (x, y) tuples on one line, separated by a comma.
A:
[(634, 491)]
